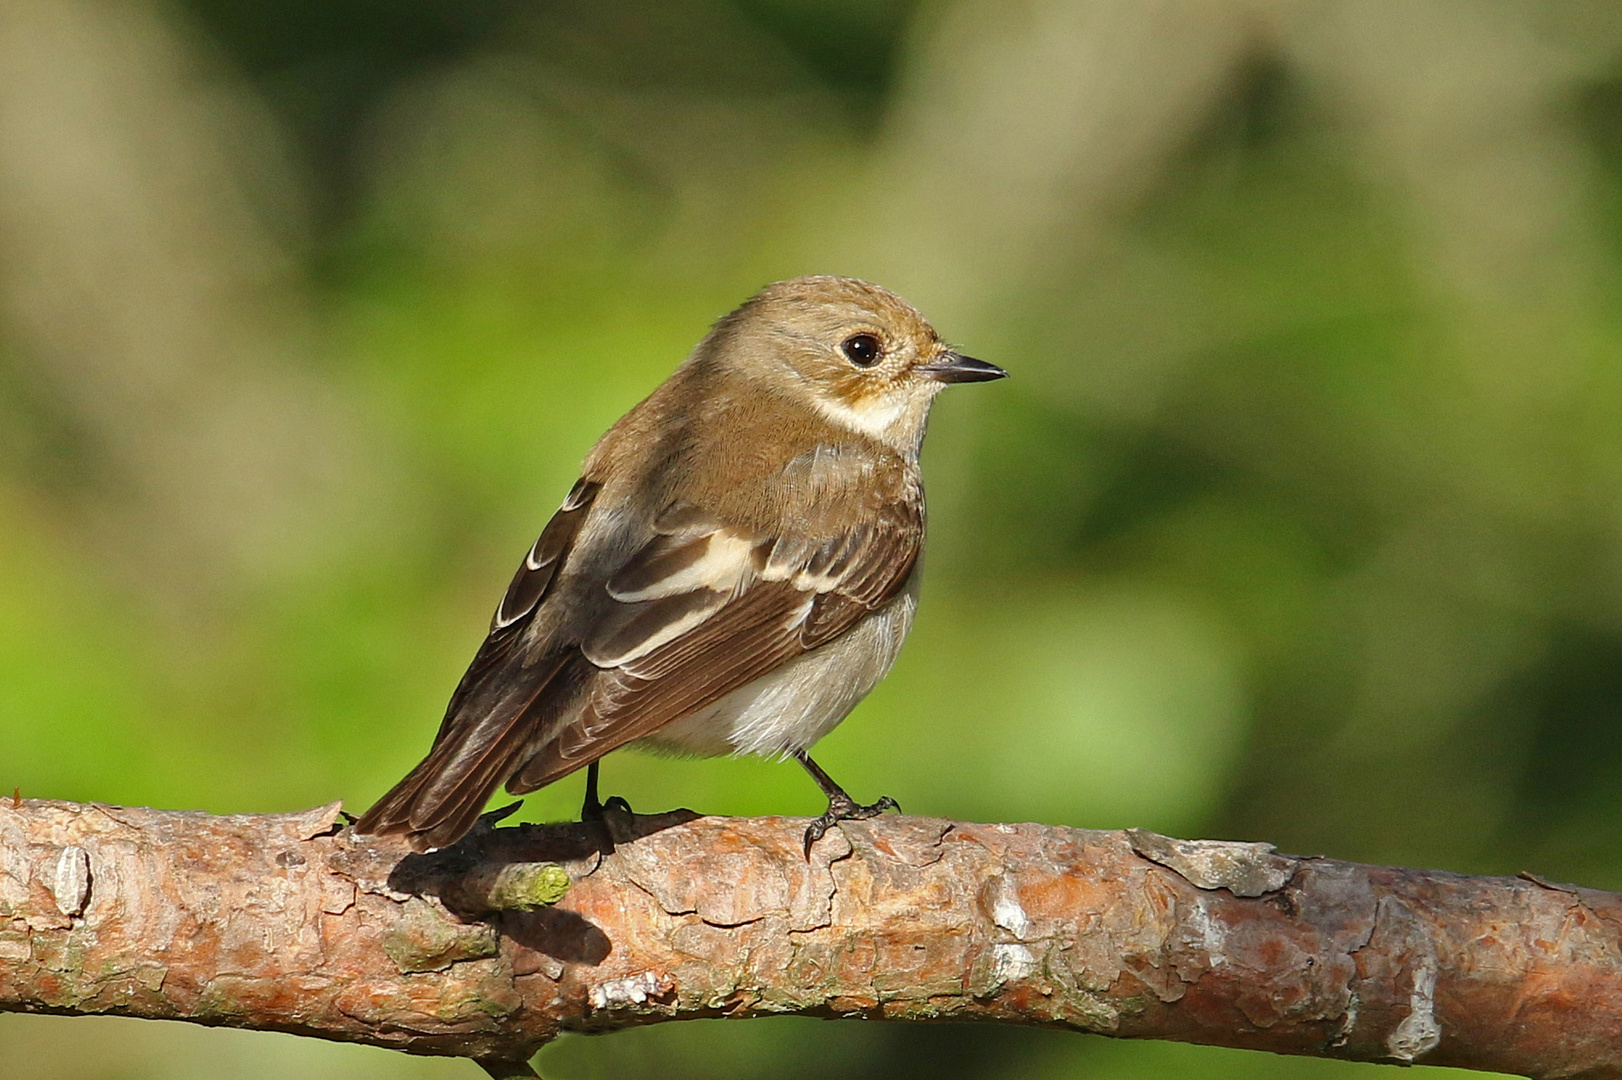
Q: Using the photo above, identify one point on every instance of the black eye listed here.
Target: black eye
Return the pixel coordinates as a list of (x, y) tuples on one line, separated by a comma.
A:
[(861, 349)]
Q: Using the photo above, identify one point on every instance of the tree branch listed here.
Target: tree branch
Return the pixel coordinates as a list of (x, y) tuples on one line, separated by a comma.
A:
[(292, 923)]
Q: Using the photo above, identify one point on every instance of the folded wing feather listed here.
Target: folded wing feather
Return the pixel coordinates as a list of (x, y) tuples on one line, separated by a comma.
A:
[(707, 609)]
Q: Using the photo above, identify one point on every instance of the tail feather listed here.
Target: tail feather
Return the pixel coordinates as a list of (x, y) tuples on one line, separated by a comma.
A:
[(439, 800), (420, 808)]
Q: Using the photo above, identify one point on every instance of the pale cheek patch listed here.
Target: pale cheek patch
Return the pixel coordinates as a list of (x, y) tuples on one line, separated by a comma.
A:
[(874, 418)]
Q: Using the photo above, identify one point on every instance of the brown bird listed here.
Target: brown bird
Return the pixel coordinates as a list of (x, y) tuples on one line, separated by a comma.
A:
[(735, 569)]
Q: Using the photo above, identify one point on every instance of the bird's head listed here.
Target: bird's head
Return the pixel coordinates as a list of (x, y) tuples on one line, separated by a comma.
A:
[(861, 356)]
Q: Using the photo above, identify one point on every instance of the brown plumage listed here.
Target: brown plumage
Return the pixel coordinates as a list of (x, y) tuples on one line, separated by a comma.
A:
[(735, 569)]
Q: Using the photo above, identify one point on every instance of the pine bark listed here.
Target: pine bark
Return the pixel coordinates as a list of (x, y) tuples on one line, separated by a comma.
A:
[(488, 950)]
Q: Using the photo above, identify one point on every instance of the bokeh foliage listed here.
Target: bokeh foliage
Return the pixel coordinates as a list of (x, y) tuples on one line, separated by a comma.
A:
[(1299, 520)]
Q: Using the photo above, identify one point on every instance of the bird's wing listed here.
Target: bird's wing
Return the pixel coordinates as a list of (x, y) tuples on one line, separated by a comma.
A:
[(484, 731), (529, 587), (704, 609)]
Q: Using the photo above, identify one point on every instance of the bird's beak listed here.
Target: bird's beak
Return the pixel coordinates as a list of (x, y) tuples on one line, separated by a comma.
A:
[(951, 367)]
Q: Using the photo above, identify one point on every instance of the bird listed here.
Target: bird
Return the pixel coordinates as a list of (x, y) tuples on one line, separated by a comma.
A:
[(735, 569)]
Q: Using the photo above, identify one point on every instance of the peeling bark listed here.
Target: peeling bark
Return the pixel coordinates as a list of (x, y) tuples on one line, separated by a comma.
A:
[(292, 923)]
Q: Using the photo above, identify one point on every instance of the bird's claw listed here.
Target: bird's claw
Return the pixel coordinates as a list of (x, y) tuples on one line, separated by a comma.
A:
[(594, 811), (487, 821), (848, 810)]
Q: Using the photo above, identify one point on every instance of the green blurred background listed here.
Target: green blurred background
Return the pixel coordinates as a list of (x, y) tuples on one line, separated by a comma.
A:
[(1300, 520)]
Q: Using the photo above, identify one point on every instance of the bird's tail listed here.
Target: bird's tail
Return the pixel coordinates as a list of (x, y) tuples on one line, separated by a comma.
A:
[(439, 800)]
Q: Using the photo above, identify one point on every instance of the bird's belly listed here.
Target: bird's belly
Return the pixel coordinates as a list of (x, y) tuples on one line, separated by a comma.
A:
[(800, 702)]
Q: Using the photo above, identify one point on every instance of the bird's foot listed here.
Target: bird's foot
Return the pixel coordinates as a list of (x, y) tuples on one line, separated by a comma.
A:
[(487, 821), (594, 810), (845, 809)]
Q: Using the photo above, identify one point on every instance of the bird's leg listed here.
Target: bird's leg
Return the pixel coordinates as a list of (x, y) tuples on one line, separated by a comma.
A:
[(841, 807), (592, 809)]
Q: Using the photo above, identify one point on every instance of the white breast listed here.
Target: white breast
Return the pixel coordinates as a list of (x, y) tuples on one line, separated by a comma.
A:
[(794, 706)]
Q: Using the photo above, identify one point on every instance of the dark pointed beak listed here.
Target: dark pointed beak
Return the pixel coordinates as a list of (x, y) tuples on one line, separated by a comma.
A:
[(951, 367)]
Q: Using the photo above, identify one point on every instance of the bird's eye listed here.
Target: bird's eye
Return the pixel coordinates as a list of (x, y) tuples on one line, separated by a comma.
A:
[(861, 349)]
